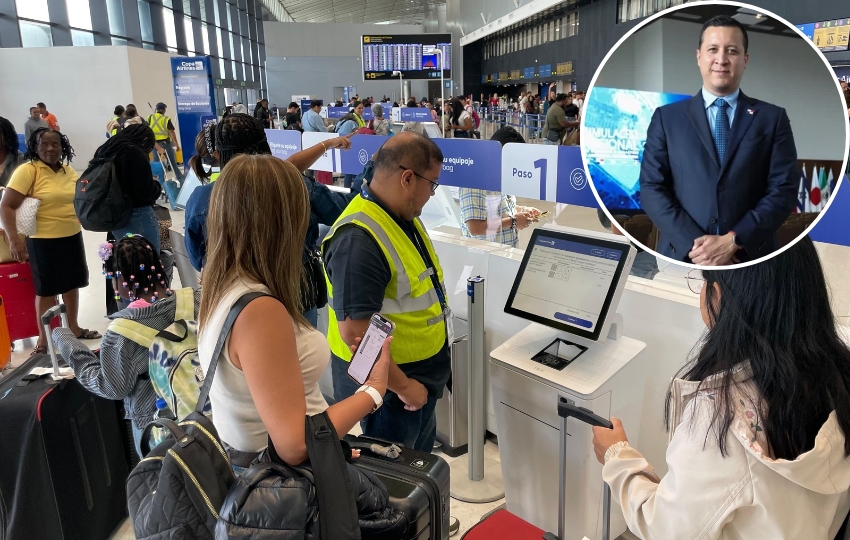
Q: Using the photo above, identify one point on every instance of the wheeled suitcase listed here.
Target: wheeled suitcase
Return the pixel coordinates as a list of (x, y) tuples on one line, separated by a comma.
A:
[(18, 292), (502, 525), (417, 482), (5, 339), (63, 464)]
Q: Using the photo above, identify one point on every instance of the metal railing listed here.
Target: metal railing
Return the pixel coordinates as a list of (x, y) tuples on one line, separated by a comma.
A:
[(530, 126)]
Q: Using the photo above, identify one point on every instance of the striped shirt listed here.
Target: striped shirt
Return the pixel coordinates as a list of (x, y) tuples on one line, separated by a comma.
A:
[(116, 373), (492, 206)]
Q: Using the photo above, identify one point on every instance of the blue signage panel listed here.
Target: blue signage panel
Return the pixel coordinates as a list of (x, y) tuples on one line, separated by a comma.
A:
[(337, 112), (194, 95), (305, 105), (284, 142), (808, 30), (573, 187), (367, 113), (832, 228), (545, 70), (528, 73), (362, 148), (415, 114), (470, 163), (842, 72)]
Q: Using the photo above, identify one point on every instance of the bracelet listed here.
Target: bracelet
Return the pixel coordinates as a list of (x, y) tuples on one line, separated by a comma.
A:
[(513, 222), (323, 145)]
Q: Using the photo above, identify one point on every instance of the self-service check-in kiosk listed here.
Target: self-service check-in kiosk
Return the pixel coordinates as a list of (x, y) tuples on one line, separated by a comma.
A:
[(569, 285)]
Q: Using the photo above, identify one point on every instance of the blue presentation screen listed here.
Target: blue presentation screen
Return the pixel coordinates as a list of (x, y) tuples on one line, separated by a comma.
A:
[(614, 135)]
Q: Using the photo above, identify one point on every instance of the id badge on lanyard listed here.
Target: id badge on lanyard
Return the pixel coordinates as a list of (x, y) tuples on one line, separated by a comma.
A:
[(450, 326)]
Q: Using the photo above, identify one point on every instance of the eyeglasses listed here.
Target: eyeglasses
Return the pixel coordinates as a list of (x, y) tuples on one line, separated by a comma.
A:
[(695, 281), (434, 185)]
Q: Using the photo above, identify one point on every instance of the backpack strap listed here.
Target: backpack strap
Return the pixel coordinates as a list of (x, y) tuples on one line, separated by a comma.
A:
[(219, 346), (185, 310), (334, 491), (134, 331)]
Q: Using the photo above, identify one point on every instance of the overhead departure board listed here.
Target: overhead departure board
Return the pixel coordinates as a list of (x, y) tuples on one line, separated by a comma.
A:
[(411, 54)]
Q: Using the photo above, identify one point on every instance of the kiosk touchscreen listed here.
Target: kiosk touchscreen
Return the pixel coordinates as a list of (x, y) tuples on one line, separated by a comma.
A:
[(569, 285), (190, 183), (570, 282)]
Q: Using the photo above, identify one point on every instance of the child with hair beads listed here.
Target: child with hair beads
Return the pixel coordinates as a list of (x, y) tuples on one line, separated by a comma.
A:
[(120, 371)]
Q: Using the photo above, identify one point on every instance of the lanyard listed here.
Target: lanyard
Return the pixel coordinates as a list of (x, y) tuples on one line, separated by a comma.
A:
[(423, 253)]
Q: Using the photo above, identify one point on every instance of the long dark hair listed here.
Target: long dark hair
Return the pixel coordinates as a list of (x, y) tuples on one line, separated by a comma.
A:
[(457, 110), (10, 137), (32, 146), (776, 315)]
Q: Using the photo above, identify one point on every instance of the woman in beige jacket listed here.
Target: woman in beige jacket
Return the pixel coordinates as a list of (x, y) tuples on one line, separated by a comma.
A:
[(757, 418)]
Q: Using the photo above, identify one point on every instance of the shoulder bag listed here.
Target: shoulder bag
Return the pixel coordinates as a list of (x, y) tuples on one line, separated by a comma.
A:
[(25, 215)]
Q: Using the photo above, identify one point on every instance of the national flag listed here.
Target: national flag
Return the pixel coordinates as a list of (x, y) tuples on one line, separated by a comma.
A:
[(803, 193), (827, 188), (815, 195)]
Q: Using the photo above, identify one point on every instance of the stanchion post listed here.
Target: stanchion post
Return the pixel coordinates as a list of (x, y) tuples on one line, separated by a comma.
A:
[(477, 479)]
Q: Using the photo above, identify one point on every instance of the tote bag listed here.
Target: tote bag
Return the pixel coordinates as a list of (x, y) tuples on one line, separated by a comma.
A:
[(26, 213)]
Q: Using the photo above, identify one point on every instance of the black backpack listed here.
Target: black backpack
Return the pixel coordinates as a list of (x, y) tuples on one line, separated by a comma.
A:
[(185, 488), (100, 203)]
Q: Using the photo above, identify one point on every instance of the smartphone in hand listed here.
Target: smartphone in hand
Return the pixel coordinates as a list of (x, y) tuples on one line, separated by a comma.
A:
[(380, 328)]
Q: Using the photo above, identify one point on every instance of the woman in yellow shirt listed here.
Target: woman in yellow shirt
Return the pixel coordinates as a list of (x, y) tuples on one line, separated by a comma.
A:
[(56, 252)]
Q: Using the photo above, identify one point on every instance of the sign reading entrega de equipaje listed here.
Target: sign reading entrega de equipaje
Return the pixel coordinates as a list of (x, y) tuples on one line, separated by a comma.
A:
[(194, 97)]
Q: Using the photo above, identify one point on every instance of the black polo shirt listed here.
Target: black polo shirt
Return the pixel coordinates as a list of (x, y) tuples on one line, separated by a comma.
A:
[(360, 273)]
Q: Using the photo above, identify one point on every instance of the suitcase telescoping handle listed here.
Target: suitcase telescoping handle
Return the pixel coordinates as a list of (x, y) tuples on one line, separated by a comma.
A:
[(46, 319), (568, 410)]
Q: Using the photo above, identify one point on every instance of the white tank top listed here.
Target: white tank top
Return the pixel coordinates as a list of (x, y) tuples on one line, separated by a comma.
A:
[(234, 414)]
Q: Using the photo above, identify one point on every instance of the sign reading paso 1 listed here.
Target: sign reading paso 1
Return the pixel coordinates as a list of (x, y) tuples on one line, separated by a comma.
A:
[(361, 151), (284, 142), (469, 163), (546, 172)]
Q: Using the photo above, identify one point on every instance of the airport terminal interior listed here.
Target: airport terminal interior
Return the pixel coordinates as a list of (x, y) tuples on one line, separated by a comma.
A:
[(545, 308)]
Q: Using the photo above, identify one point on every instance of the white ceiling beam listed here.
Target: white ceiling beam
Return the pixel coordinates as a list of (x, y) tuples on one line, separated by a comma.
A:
[(520, 14)]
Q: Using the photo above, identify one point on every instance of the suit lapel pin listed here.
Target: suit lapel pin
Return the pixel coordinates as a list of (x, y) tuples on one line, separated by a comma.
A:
[(750, 111)]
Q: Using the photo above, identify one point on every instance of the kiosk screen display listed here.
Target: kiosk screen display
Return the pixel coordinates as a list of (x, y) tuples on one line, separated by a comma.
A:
[(567, 281)]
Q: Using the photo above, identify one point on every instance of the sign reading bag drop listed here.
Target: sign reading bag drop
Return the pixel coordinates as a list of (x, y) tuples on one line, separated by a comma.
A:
[(193, 94)]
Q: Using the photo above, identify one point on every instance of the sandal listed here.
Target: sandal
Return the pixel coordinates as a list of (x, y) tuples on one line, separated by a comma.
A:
[(39, 349), (89, 334)]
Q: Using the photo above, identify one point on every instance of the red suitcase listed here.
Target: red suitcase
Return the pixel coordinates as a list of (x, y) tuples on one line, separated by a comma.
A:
[(18, 292), (324, 177), (502, 525)]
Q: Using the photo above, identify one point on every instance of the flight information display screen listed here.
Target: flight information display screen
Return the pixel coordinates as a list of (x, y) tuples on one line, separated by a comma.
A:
[(567, 281), (411, 54)]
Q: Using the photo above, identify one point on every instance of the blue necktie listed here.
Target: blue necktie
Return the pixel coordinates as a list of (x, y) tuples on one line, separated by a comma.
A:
[(721, 129)]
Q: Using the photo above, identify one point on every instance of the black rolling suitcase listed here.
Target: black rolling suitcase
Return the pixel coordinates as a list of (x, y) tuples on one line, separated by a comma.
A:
[(417, 482), (63, 464)]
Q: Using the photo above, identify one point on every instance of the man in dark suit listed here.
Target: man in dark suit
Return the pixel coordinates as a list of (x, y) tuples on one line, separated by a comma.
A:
[(719, 172)]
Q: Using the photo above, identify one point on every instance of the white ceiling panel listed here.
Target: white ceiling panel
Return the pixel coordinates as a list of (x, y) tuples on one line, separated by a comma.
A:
[(358, 11)]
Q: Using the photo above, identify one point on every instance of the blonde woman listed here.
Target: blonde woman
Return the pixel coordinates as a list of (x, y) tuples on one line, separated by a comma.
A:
[(268, 373)]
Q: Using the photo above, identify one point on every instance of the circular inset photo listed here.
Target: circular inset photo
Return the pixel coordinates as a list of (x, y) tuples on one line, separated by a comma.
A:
[(717, 133)]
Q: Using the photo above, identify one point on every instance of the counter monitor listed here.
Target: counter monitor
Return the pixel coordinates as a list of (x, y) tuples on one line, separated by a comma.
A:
[(569, 281)]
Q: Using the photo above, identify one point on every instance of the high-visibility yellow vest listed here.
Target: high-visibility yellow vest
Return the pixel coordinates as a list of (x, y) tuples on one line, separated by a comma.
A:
[(159, 124), (410, 300), (114, 131), (360, 122)]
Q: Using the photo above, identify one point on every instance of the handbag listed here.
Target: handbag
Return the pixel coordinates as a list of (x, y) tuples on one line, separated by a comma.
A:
[(25, 215), (553, 135), (572, 138)]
